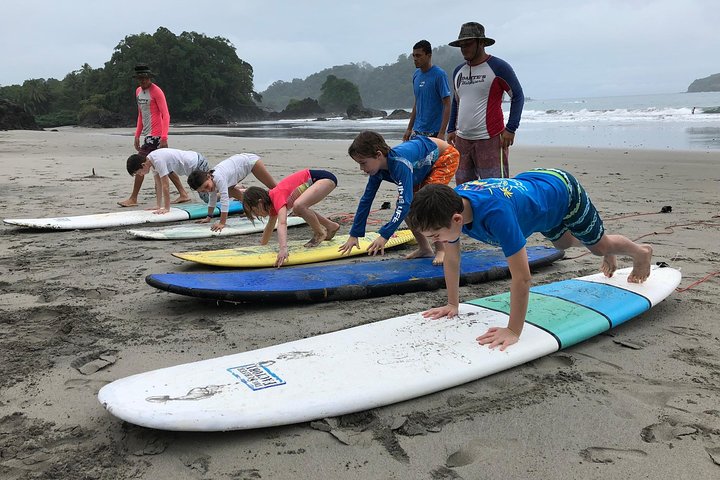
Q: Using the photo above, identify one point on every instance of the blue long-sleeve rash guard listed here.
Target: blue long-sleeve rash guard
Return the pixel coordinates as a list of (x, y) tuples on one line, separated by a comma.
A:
[(408, 165)]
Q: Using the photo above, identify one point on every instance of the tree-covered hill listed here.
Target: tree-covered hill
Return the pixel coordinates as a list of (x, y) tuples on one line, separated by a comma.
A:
[(707, 84), (388, 86), (198, 74)]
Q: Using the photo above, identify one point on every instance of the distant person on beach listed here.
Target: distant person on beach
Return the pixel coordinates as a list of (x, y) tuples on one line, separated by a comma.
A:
[(223, 182), (477, 126), (166, 161), (505, 212), (410, 165), (297, 192), (153, 123), (431, 110)]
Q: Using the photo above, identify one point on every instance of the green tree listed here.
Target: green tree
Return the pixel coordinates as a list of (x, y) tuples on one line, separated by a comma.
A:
[(338, 94), (35, 96), (196, 72)]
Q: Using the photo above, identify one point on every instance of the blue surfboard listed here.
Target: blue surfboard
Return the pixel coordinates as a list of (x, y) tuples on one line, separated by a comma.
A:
[(341, 282)]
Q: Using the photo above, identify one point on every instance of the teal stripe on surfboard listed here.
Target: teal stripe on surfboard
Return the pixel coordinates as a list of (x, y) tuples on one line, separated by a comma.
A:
[(574, 310), (568, 322), (617, 304), (198, 210)]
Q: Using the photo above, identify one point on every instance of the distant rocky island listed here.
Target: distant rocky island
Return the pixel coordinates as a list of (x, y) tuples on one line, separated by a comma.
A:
[(707, 84)]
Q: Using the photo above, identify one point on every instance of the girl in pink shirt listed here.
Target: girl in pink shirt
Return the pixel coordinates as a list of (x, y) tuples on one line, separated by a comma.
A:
[(297, 192)]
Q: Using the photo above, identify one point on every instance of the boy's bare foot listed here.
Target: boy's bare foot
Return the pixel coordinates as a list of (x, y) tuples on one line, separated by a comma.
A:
[(419, 253), (609, 265), (641, 265), (439, 258), (331, 233), (181, 200), (128, 203)]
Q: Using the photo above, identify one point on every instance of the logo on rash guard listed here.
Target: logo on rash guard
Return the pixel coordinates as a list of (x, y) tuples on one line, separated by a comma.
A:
[(471, 79), (399, 209)]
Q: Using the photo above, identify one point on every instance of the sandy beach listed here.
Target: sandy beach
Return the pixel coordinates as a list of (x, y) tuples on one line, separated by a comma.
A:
[(641, 401)]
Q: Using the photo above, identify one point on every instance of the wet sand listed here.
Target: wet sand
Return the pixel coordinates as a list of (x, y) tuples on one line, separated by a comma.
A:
[(641, 401)]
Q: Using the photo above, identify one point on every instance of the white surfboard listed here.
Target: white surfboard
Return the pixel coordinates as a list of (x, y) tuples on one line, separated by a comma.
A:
[(376, 364), (120, 218), (234, 226)]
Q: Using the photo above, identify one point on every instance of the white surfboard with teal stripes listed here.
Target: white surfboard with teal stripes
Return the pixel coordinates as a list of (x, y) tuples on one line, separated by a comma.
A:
[(378, 363)]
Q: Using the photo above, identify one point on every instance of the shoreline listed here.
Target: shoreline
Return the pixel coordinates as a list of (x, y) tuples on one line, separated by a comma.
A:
[(670, 136), (638, 401)]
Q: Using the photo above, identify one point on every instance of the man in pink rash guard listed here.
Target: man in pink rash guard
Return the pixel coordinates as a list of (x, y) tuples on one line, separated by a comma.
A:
[(153, 123)]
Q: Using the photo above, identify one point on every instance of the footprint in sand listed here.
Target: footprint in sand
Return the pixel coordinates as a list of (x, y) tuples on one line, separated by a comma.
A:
[(610, 455), (665, 432), (476, 450)]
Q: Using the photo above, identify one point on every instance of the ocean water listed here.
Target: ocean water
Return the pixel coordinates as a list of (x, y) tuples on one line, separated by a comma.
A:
[(678, 121)]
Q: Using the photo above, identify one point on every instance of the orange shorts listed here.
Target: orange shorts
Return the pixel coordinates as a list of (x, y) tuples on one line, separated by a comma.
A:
[(444, 168)]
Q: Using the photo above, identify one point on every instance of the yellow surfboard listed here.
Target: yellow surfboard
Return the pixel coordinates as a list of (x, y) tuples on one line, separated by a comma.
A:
[(266, 255)]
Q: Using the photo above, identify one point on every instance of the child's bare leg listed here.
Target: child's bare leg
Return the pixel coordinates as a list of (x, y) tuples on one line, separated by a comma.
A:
[(567, 241), (133, 200), (610, 246), (330, 226), (236, 193), (319, 231), (260, 172), (183, 194), (310, 197), (424, 248)]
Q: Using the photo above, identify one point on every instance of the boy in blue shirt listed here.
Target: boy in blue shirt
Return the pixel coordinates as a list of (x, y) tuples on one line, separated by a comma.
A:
[(410, 165), (504, 212)]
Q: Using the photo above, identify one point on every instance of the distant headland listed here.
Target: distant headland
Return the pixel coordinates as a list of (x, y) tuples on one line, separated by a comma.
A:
[(707, 84)]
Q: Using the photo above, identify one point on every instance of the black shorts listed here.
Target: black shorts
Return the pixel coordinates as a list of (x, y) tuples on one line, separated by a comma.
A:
[(316, 175)]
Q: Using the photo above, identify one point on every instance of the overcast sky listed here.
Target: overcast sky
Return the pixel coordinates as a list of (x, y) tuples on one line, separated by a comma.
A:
[(558, 48)]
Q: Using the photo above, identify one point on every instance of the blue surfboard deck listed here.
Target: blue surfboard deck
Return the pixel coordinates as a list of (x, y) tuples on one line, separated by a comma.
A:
[(199, 210), (341, 282)]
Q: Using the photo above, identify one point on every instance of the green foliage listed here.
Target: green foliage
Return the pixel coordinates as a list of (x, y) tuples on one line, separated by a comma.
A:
[(197, 74), (338, 94), (387, 86), (57, 119)]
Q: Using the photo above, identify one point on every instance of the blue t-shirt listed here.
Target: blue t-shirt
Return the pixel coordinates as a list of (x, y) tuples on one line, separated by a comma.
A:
[(508, 210), (430, 88), (408, 165)]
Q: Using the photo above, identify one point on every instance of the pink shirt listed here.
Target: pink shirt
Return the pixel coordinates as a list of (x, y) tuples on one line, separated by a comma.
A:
[(153, 115), (288, 190)]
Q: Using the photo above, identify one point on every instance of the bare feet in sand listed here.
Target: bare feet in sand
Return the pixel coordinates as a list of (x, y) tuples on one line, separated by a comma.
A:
[(419, 253), (641, 265), (181, 200), (128, 203), (331, 233)]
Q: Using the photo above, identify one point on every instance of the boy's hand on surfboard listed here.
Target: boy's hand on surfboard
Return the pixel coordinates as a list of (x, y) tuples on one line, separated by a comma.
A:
[(282, 257), (448, 311), (347, 247), (378, 245), (205, 220), (496, 336), (217, 227)]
